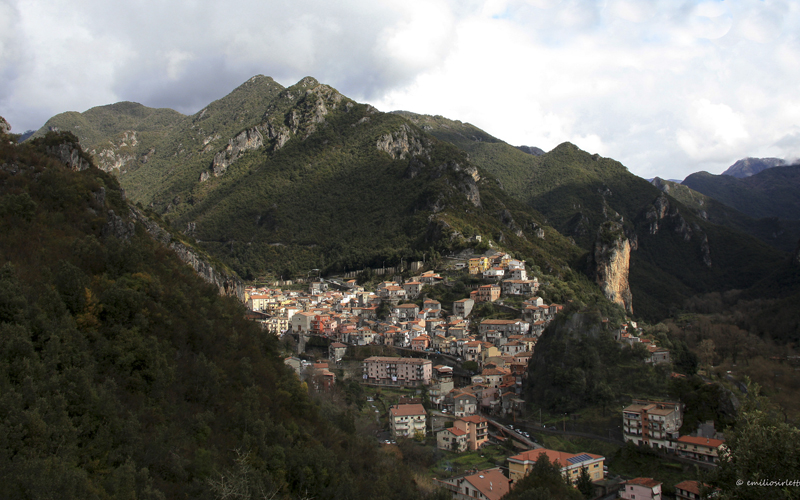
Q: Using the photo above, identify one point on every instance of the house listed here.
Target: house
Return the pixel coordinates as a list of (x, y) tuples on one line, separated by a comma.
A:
[(302, 321), (478, 265), (690, 490), (654, 423), (464, 404), (571, 464), (406, 312), (641, 488), (421, 343), (258, 302), (477, 429), (452, 439), (392, 292), (485, 293), (463, 307), (505, 327), (317, 287), (518, 287), (488, 484), (322, 378), (519, 273), (494, 273), (700, 448), (336, 351), (402, 372), (412, 289), (407, 420), (657, 355)]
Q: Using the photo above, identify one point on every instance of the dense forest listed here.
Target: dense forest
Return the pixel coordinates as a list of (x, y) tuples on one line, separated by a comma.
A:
[(123, 375)]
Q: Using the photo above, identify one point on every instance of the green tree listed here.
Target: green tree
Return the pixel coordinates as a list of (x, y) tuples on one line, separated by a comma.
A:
[(761, 447), (585, 483)]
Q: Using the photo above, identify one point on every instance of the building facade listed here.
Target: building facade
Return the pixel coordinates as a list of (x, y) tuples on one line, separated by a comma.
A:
[(400, 372), (652, 423)]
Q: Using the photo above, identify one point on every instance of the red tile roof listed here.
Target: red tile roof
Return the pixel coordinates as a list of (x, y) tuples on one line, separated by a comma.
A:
[(647, 482), (701, 441), (492, 483), (407, 410)]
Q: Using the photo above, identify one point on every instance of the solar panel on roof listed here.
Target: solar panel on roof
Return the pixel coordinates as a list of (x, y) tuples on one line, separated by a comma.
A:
[(579, 458)]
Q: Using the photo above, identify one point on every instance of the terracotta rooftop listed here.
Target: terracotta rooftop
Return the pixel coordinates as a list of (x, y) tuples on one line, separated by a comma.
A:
[(647, 482)]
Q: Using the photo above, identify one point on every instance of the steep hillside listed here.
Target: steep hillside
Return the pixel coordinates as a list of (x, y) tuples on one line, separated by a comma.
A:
[(123, 375), (774, 192), (779, 233), (674, 254)]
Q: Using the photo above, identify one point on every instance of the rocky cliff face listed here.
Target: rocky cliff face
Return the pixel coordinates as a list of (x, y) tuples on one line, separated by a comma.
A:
[(70, 155), (611, 258), (5, 128), (244, 141), (401, 144), (227, 284), (118, 155), (308, 111)]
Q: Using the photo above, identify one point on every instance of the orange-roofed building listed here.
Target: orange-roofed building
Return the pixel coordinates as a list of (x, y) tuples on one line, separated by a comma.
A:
[(407, 420), (452, 439), (488, 484), (477, 429), (690, 490), (700, 448), (571, 464), (641, 488)]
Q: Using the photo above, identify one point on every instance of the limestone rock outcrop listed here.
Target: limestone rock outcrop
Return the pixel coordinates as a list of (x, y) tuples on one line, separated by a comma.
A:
[(5, 128), (611, 257), (237, 146), (70, 155), (401, 144)]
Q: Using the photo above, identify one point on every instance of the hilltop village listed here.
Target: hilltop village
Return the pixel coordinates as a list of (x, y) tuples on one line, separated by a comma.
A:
[(457, 379)]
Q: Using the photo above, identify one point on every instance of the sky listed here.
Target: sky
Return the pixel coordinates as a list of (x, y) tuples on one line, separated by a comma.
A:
[(665, 87)]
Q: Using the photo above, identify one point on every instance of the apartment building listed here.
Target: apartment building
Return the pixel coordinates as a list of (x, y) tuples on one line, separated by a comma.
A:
[(654, 423), (401, 372)]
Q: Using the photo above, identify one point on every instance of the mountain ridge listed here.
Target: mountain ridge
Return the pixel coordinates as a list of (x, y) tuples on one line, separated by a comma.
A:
[(282, 179)]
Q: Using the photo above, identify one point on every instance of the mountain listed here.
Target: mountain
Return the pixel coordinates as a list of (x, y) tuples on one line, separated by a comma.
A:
[(281, 180), (780, 233), (774, 192), (124, 375), (751, 166), (674, 253)]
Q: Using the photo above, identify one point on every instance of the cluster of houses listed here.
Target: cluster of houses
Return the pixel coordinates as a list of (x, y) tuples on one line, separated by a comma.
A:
[(629, 334), (499, 351)]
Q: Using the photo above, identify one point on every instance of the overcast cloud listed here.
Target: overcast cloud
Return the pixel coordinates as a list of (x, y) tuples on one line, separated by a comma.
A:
[(667, 88)]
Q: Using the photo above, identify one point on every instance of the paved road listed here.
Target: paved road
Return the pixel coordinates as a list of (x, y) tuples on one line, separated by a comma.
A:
[(515, 433)]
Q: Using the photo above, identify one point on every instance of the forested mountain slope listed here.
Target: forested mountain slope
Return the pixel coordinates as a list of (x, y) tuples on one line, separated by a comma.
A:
[(780, 233), (124, 375), (774, 192), (281, 180)]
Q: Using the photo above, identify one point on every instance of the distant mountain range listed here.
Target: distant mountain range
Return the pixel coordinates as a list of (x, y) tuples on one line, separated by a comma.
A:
[(772, 192), (751, 166), (281, 180)]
